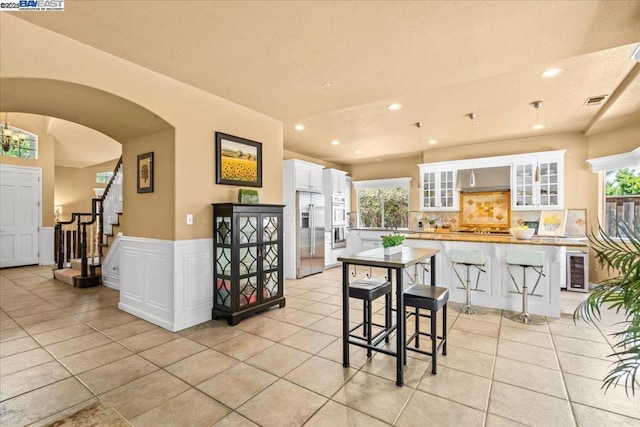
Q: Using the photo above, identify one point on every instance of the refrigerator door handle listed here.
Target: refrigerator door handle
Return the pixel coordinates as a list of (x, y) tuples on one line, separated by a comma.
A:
[(312, 228)]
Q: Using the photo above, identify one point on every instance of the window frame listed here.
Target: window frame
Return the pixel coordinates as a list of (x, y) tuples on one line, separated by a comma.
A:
[(381, 184)]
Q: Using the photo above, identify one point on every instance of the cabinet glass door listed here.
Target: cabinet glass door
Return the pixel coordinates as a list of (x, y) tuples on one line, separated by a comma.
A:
[(223, 261), (524, 185), (248, 259), (270, 282), (549, 184), (429, 190), (447, 185)]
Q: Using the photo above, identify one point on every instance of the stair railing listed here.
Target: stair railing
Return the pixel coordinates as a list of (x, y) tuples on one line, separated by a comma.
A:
[(111, 203), (96, 208)]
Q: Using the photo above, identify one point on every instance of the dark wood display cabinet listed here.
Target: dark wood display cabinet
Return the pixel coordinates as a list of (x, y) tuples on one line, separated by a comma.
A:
[(247, 250)]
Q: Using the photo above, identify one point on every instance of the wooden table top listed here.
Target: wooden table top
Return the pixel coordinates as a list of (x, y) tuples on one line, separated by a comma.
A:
[(377, 258)]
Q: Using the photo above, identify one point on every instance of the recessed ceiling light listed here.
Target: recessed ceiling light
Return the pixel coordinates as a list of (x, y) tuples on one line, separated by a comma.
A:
[(433, 141), (335, 142), (394, 107), (357, 151), (551, 72), (537, 126), (326, 84), (299, 127)]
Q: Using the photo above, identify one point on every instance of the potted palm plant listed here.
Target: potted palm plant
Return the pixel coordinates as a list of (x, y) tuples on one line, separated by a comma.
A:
[(392, 243), (622, 294)]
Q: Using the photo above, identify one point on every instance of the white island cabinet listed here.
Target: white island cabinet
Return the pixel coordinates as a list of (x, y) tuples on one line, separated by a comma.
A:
[(496, 287)]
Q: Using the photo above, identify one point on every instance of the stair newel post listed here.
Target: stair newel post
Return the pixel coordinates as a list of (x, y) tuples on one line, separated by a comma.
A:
[(83, 250), (59, 239), (79, 239), (100, 228)]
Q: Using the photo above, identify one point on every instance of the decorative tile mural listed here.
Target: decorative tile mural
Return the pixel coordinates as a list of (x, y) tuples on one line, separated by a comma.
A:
[(486, 209)]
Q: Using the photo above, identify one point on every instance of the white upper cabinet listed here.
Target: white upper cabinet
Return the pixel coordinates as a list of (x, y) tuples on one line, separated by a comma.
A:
[(437, 188), (308, 176), (335, 182), (537, 181)]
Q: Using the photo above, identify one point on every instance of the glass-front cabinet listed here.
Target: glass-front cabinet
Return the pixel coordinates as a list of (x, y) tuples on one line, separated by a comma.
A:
[(247, 249), (437, 189), (537, 182)]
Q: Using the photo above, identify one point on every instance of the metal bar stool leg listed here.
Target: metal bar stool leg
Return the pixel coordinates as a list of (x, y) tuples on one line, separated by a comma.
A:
[(535, 261)]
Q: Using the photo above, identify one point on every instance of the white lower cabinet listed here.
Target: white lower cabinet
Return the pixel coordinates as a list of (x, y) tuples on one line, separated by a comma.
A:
[(327, 249)]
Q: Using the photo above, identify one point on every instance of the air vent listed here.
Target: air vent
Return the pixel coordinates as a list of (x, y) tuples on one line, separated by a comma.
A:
[(595, 100)]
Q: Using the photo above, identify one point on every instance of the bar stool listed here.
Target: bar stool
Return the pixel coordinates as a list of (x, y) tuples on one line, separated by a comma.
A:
[(468, 258), (431, 298), (369, 290), (525, 259)]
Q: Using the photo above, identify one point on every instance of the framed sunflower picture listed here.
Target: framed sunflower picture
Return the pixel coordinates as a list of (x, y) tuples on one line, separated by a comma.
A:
[(145, 173), (238, 161)]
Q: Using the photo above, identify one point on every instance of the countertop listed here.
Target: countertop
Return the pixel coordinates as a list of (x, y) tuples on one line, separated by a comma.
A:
[(499, 238)]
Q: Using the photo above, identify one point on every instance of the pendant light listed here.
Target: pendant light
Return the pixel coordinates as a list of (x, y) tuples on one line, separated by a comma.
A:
[(472, 177), (537, 126)]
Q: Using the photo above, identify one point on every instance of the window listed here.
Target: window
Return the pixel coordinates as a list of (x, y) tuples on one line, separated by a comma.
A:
[(22, 144), (620, 192), (103, 177), (383, 203)]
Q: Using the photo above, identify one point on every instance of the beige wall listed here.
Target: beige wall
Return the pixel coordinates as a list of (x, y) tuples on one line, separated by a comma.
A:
[(291, 155), (73, 188), (38, 126), (195, 115)]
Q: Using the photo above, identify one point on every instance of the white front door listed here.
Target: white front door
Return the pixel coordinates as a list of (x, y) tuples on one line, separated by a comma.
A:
[(19, 215)]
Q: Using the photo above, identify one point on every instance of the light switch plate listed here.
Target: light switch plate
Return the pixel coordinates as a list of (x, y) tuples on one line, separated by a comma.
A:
[(189, 219)]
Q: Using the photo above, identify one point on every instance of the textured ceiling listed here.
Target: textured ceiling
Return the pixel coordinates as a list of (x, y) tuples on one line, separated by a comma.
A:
[(440, 60)]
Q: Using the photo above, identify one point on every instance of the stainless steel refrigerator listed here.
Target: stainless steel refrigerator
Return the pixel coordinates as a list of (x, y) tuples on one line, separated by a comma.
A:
[(310, 222)]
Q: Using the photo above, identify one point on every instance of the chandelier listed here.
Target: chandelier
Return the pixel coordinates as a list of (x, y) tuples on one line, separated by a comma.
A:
[(9, 137)]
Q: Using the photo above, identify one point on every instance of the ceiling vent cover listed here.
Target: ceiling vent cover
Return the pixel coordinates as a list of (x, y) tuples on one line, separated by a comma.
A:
[(595, 100)]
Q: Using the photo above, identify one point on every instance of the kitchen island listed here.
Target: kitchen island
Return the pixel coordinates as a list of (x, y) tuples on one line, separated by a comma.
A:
[(495, 287)]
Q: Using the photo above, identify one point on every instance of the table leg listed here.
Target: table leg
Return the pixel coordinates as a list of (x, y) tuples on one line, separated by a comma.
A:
[(433, 270), (345, 314), (400, 344)]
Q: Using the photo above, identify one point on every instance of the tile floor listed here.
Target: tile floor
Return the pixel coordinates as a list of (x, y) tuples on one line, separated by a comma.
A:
[(63, 348)]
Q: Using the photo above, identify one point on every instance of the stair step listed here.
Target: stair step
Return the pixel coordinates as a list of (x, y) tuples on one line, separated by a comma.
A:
[(77, 263), (66, 275)]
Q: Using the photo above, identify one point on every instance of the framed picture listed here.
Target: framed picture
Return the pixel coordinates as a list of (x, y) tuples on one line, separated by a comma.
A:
[(238, 161), (552, 223), (576, 223), (145, 173)]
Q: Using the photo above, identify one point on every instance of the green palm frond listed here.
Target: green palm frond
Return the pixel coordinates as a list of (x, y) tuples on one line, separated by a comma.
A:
[(621, 294)]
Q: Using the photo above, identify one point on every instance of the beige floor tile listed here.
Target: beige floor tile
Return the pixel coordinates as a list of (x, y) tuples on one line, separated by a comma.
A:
[(36, 308), (17, 346), (525, 406), (77, 345), (384, 366), (532, 377), (62, 334), (191, 408), (32, 378), (588, 392), (50, 325), (300, 318), (12, 334), (335, 414), (116, 374), (378, 397), (587, 416), (214, 335), (278, 359), (282, 404), (142, 395), (298, 303), (243, 346), (580, 347), (328, 325), (496, 421), (235, 420), (479, 327), (129, 329), (585, 366), (173, 351), (43, 402), (112, 321), (357, 356), (583, 332), (438, 411), (447, 384), (538, 339), (89, 315), (39, 317), (471, 341), (98, 356), (528, 353), (148, 339), (201, 366), (321, 308), (320, 375), (274, 330), (24, 360), (314, 296), (309, 341), (469, 361), (237, 384)]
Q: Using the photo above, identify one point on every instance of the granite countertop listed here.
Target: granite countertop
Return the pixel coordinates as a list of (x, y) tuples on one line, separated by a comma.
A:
[(499, 238)]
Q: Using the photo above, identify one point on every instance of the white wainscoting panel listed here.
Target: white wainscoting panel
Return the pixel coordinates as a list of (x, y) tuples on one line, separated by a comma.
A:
[(165, 282), (46, 249), (193, 282)]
